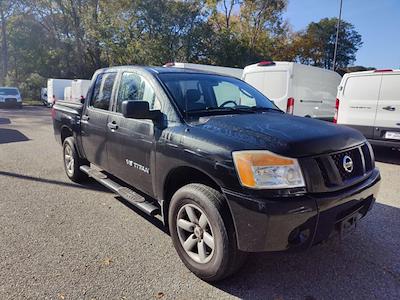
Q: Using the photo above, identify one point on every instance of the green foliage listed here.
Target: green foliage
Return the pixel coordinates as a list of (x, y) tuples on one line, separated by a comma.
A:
[(73, 38), (343, 71), (30, 88), (317, 43)]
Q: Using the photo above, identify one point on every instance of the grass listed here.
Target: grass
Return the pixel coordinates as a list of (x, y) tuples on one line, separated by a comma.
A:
[(32, 102)]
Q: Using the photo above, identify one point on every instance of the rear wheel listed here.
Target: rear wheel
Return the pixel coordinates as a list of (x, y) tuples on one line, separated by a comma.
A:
[(202, 232), (72, 161)]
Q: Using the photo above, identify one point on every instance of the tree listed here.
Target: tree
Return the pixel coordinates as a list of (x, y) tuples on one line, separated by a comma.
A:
[(72, 38), (316, 44), (6, 10), (343, 71), (244, 31)]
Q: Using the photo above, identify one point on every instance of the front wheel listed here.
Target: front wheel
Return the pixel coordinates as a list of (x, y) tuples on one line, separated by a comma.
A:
[(202, 232)]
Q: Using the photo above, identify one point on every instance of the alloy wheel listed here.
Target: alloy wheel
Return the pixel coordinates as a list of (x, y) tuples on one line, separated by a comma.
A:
[(195, 233), (69, 159)]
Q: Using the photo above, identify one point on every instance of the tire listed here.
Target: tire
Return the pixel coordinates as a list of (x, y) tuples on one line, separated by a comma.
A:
[(72, 169), (219, 261)]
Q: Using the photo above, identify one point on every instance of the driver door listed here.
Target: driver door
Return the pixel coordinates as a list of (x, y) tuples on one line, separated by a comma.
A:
[(131, 146)]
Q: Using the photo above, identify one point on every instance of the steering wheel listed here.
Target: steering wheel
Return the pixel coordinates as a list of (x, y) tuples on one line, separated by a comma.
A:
[(227, 102)]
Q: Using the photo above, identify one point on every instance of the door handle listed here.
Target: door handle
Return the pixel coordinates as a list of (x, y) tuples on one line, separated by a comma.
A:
[(85, 118), (389, 108), (112, 125)]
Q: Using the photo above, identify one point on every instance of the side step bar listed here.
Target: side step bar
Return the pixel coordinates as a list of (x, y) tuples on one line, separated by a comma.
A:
[(126, 193)]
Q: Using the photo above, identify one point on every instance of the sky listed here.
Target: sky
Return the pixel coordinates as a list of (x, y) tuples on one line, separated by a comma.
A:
[(378, 22)]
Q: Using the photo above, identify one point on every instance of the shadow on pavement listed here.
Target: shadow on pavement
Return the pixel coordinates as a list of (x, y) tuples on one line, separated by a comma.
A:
[(153, 220), (92, 185), (11, 136), (4, 121), (387, 155), (365, 265)]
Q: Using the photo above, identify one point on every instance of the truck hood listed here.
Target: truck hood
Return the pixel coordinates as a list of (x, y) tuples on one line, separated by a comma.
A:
[(280, 133)]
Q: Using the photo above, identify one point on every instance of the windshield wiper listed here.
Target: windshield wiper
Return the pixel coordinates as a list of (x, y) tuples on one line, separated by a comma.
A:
[(260, 108), (239, 109), (219, 109)]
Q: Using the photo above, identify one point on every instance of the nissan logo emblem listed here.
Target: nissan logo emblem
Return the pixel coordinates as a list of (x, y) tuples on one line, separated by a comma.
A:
[(348, 164)]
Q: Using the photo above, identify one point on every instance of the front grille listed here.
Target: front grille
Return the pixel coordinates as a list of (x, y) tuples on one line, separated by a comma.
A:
[(11, 100), (369, 161), (332, 170), (355, 156)]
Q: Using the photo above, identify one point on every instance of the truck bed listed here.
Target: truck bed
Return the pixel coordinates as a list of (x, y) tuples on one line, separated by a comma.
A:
[(66, 116), (68, 107)]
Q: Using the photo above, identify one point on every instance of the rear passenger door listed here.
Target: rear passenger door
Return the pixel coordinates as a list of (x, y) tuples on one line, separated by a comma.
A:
[(387, 122), (94, 120), (131, 142)]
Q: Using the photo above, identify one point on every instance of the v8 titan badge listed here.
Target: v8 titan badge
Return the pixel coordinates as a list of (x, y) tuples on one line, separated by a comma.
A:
[(137, 166)]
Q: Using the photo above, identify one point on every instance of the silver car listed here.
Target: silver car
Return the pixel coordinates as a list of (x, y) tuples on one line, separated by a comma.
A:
[(10, 97)]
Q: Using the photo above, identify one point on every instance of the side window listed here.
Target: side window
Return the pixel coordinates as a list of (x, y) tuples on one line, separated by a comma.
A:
[(102, 91), (134, 87)]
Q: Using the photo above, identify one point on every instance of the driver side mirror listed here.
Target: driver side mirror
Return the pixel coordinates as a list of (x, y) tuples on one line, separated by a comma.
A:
[(139, 110)]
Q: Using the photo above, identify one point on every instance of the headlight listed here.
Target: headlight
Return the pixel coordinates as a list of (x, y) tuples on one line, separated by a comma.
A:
[(261, 169)]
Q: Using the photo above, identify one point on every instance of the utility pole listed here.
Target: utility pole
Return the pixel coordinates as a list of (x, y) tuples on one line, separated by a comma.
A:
[(337, 35)]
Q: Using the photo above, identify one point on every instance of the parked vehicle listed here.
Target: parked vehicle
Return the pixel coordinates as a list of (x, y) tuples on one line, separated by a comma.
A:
[(227, 171), (43, 95), (370, 102), (55, 89), (67, 94), (298, 89), (79, 89), (10, 97), (234, 72)]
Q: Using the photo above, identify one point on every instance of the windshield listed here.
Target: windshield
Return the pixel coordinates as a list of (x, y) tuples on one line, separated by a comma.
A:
[(197, 94), (8, 91)]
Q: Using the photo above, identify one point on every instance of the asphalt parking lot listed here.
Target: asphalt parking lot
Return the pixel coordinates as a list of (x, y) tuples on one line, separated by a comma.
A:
[(60, 240)]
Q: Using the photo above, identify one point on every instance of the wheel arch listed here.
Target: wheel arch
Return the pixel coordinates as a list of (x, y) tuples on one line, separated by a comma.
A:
[(179, 177), (65, 132)]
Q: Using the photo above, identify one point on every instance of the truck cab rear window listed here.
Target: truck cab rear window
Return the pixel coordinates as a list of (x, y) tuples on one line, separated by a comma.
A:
[(102, 91)]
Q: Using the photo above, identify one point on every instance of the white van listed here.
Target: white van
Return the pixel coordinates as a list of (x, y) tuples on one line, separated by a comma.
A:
[(55, 89), (234, 72), (295, 88), (79, 88), (67, 93), (370, 102)]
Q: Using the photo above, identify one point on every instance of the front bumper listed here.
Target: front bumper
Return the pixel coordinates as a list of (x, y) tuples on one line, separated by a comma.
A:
[(10, 104), (296, 222)]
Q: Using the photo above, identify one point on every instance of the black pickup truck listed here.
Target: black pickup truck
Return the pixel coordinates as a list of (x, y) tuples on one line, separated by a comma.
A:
[(226, 170)]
